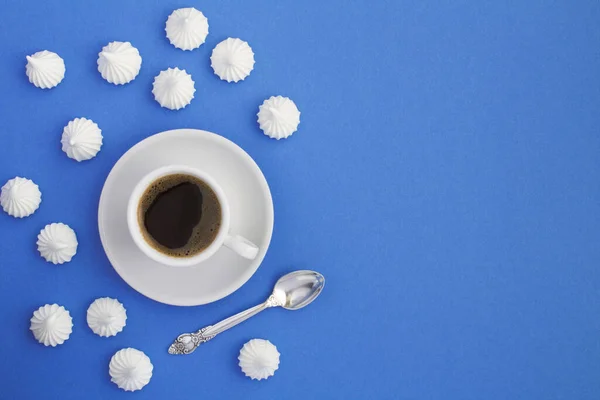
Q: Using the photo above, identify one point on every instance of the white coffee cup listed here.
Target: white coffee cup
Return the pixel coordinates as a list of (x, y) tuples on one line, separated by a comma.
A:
[(239, 244)]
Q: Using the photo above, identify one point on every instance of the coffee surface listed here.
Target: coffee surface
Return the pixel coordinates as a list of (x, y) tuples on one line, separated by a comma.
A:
[(179, 215)]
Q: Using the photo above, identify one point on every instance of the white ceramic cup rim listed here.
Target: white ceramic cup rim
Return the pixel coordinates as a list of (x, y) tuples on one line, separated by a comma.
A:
[(135, 229)]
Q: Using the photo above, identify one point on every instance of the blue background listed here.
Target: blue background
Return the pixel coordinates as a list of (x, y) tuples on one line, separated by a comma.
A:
[(445, 179)]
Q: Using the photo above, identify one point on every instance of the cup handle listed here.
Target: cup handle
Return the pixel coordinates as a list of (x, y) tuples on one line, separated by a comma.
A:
[(242, 246)]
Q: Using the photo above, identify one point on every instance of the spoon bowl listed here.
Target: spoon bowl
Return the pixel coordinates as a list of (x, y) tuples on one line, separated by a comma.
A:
[(298, 289)]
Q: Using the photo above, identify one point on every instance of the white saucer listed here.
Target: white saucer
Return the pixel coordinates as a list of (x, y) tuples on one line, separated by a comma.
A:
[(251, 216)]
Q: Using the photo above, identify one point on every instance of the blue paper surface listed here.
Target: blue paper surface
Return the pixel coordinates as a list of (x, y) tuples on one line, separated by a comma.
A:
[(445, 179)]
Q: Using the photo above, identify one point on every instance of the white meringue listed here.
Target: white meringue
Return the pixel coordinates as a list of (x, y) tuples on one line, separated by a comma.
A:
[(57, 243), (259, 359), (106, 317), (130, 369), (119, 62), (20, 197), (45, 69), (186, 28), (81, 139), (173, 88), (51, 325), (232, 60), (278, 117)]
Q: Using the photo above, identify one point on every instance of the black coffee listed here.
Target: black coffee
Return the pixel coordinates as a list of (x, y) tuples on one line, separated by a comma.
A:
[(180, 215)]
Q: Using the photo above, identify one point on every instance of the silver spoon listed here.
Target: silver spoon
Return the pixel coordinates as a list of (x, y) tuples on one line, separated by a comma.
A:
[(292, 292)]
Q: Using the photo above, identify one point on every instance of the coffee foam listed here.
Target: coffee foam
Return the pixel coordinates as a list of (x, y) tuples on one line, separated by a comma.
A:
[(204, 232)]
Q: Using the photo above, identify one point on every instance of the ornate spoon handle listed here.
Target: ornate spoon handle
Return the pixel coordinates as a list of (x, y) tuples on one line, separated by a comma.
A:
[(186, 343)]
